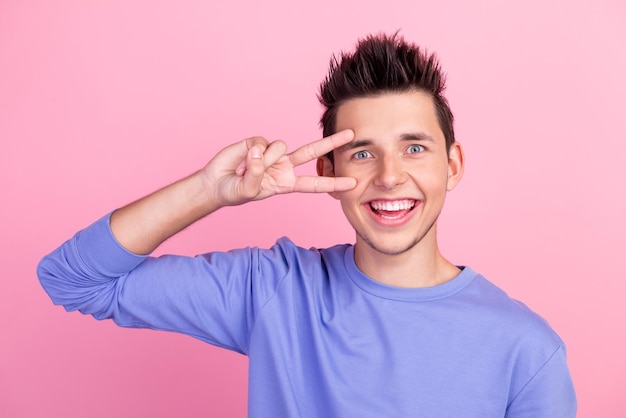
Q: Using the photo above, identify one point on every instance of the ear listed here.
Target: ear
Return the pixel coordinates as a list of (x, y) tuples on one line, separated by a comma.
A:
[(325, 169), (456, 165)]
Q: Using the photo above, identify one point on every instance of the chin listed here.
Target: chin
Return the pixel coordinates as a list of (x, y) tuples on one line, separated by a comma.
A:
[(389, 248)]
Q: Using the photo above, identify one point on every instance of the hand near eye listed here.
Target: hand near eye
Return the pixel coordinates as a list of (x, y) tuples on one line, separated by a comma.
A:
[(251, 169), (255, 169)]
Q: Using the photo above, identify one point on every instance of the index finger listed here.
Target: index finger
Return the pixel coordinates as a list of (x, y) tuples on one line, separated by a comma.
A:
[(321, 147)]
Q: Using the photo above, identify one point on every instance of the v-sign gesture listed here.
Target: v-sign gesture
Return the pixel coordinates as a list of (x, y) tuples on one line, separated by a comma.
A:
[(251, 169), (255, 169)]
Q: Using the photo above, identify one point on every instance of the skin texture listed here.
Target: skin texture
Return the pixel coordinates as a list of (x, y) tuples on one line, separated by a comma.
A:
[(398, 155)]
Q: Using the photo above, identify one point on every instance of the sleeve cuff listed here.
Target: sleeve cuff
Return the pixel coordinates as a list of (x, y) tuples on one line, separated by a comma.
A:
[(102, 252)]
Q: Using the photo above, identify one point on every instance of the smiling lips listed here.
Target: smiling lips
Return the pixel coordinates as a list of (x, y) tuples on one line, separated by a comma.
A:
[(392, 209)]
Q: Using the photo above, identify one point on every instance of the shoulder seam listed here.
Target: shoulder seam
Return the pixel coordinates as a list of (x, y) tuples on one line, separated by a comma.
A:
[(269, 299), (558, 348)]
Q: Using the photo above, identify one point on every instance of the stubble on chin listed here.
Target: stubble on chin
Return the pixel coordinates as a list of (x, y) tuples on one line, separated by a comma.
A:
[(409, 247)]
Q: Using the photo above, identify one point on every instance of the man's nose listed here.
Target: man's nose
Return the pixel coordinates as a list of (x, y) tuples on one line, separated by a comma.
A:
[(390, 174)]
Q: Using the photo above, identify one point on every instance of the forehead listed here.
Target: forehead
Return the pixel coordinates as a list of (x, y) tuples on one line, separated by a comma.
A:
[(390, 115)]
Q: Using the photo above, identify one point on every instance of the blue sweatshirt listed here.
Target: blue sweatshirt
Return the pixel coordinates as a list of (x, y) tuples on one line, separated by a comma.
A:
[(323, 339)]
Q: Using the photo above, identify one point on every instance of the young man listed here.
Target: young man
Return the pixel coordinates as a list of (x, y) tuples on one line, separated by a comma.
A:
[(384, 328)]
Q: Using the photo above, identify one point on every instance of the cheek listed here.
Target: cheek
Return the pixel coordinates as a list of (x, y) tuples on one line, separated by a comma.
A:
[(431, 173), (349, 197), (350, 202), (341, 169), (432, 181)]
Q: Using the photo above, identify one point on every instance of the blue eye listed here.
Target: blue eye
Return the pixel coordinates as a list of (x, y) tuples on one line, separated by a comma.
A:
[(415, 149), (361, 155)]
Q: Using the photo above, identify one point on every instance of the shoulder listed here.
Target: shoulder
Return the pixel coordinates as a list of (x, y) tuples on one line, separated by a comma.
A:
[(531, 350), (286, 249), (514, 317), (282, 260)]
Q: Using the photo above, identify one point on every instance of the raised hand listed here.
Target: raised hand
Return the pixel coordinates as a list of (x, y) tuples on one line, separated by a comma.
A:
[(255, 169), (252, 169)]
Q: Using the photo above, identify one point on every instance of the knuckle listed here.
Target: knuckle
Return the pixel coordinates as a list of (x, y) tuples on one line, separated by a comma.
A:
[(254, 140), (317, 184), (310, 151)]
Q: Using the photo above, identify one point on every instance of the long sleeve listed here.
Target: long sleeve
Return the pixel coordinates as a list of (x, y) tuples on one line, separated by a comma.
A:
[(213, 297)]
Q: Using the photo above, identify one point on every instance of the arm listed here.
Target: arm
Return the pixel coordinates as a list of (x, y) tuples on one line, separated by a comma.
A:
[(252, 169), (100, 272)]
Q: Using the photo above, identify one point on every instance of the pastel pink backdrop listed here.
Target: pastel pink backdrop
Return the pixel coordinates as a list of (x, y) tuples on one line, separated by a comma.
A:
[(104, 101)]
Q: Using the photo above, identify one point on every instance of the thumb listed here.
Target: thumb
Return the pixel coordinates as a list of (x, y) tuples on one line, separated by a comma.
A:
[(253, 176)]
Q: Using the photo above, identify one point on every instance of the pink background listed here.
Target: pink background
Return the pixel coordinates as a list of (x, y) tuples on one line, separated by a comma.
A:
[(104, 101)]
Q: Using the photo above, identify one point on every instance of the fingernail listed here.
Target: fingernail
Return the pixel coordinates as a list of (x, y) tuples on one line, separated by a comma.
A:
[(255, 153)]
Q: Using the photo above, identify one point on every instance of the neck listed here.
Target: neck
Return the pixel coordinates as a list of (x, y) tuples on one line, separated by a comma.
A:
[(420, 266)]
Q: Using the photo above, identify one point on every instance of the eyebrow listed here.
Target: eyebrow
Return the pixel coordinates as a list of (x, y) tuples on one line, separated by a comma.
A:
[(413, 136), (355, 144), (416, 136)]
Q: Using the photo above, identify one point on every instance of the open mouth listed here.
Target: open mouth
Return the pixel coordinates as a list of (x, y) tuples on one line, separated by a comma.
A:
[(392, 209)]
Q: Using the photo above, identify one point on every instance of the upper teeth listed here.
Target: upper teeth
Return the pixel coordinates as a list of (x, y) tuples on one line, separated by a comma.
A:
[(395, 205)]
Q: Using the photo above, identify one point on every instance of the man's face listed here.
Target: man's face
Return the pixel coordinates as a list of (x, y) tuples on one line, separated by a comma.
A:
[(403, 170)]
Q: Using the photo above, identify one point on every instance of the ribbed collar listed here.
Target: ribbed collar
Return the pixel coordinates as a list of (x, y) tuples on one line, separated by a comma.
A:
[(423, 294)]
